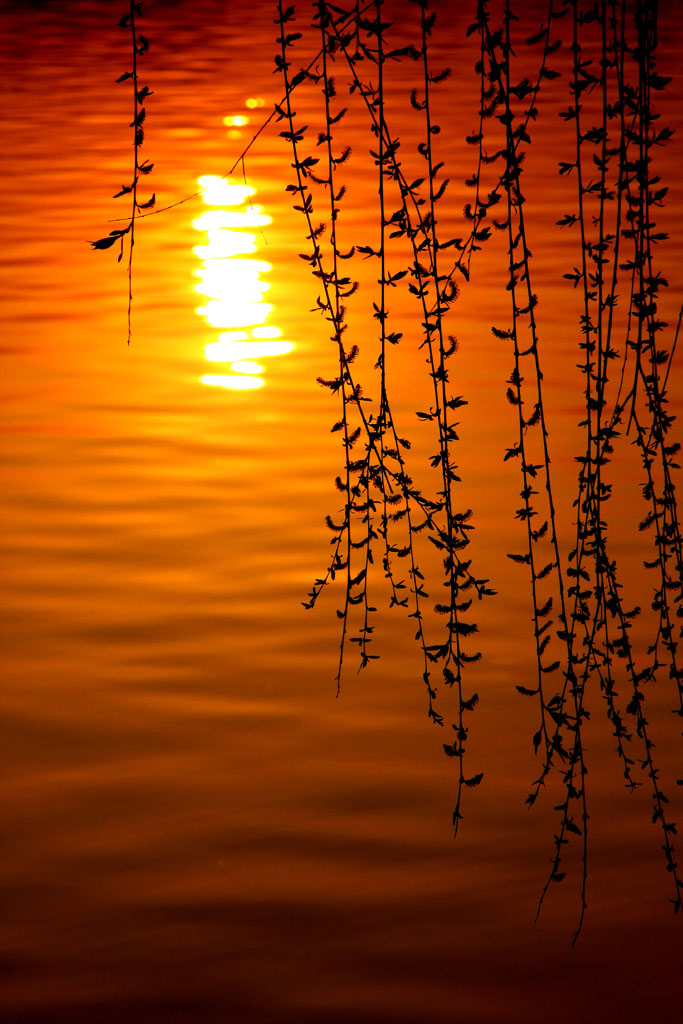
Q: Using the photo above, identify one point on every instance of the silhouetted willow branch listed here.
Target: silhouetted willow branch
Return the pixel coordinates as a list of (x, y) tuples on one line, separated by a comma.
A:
[(599, 605), (140, 93), (409, 223), (597, 611), (531, 448), (582, 630)]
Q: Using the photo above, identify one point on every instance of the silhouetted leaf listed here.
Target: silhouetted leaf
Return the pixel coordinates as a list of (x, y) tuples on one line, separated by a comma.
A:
[(104, 243)]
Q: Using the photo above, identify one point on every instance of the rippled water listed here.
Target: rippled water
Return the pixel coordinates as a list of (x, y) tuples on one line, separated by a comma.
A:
[(195, 828)]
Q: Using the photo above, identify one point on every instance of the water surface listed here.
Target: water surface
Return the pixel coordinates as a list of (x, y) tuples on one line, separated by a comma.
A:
[(195, 828)]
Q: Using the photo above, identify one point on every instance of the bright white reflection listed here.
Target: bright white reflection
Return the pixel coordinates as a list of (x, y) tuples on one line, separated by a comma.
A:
[(228, 284), (212, 219), (235, 335), (215, 271), (236, 383), (233, 283), (262, 332), (232, 312), (247, 366), (223, 192), (250, 293), (224, 243), (227, 351)]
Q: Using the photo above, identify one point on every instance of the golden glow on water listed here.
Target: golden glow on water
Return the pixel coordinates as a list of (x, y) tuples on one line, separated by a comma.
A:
[(264, 332), (234, 312), (247, 366), (214, 219), (223, 243), (232, 381), (232, 281), (222, 192), (194, 828), (227, 351)]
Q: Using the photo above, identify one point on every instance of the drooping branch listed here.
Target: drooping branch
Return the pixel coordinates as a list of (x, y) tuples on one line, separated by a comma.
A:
[(140, 94), (581, 628)]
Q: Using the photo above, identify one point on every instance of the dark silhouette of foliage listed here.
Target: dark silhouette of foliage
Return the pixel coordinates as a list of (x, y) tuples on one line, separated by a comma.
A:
[(581, 628), (139, 46)]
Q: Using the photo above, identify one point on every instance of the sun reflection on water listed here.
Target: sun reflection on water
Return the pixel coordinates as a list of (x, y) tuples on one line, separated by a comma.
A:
[(232, 282)]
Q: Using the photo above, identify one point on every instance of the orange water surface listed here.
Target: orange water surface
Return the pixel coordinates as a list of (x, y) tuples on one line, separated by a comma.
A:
[(195, 828)]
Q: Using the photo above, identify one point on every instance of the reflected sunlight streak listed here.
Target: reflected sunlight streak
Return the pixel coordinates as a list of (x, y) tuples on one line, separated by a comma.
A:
[(227, 351), (233, 285), (236, 382), (247, 366)]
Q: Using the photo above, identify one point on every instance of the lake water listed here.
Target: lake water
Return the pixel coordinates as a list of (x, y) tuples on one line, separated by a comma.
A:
[(195, 828)]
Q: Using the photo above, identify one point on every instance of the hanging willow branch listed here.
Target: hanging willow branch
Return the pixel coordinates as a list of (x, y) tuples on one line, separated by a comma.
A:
[(581, 629), (383, 500), (140, 93), (594, 624)]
